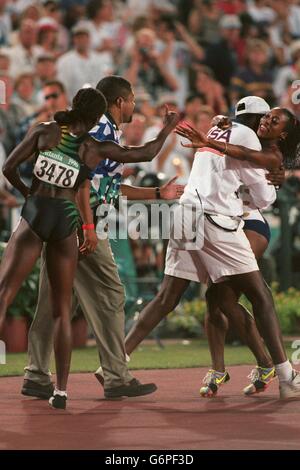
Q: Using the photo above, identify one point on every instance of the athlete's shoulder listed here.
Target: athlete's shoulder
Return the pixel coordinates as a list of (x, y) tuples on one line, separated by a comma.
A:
[(104, 130), (44, 127), (48, 134), (244, 135)]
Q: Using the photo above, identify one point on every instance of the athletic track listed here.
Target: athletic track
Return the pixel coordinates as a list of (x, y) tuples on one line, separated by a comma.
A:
[(175, 417)]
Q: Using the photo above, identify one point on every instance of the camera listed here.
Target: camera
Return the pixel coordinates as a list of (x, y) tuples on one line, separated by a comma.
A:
[(144, 51)]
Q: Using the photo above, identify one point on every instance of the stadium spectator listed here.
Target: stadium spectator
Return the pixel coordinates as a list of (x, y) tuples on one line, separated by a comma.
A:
[(288, 73), (105, 31), (193, 107), (255, 78), (213, 91), (45, 70), (223, 56), (5, 24), (11, 114), (25, 94), (81, 65), (24, 54), (47, 37), (145, 67)]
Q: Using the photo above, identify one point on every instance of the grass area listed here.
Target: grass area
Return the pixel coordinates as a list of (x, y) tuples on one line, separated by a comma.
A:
[(193, 353)]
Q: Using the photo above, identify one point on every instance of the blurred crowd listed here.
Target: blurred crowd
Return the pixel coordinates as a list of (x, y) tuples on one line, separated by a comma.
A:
[(197, 56)]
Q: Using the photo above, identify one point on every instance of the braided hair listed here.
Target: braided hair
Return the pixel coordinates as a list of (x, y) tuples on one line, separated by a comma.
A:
[(88, 105), (290, 146)]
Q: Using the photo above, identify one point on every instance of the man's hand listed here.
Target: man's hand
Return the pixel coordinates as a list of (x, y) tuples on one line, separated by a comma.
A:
[(90, 242), (276, 177), (171, 119), (170, 190), (197, 138)]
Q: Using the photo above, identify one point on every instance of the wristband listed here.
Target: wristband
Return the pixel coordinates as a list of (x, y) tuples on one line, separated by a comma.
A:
[(88, 227), (157, 193)]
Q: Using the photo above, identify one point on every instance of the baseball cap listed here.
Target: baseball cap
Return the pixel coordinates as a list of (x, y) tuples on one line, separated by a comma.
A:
[(47, 23), (251, 105), (81, 27)]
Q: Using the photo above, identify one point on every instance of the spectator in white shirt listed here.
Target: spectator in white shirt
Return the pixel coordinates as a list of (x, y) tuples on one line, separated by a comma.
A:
[(25, 94), (5, 24), (104, 29), (288, 73), (81, 65), (23, 56)]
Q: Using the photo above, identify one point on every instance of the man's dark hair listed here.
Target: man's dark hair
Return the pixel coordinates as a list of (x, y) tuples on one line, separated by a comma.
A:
[(169, 20), (56, 83), (113, 87), (195, 96), (92, 8), (249, 120)]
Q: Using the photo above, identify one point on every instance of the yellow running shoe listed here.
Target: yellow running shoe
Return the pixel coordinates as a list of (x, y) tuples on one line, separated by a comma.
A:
[(213, 380), (260, 378)]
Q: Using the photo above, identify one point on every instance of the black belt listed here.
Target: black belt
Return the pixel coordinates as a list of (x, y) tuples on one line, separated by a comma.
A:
[(209, 218)]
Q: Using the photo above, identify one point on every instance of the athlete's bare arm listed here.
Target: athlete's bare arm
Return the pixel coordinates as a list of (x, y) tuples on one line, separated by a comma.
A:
[(83, 202), (268, 158), (42, 137), (92, 151)]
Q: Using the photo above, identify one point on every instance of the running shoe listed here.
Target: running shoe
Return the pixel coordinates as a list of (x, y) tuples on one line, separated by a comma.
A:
[(260, 378), (290, 389), (58, 400), (34, 389), (213, 380)]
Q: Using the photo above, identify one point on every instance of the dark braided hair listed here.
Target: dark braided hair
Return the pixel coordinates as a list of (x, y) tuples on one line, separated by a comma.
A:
[(290, 146), (88, 105)]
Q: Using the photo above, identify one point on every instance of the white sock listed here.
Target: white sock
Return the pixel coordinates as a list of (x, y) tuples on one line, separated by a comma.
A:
[(61, 393), (284, 371), (219, 373)]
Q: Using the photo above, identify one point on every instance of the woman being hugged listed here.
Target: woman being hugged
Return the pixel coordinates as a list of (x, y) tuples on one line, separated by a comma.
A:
[(278, 131)]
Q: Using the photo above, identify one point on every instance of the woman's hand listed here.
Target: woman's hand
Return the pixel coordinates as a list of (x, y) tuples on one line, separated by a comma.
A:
[(90, 242), (170, 190), (197, 138), (223, 122)]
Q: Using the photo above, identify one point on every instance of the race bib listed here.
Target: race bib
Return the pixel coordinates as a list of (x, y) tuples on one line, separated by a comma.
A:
[(57, 169)]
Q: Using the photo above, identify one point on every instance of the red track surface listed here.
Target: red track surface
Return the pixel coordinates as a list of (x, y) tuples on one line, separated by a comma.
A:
[(174, 417)]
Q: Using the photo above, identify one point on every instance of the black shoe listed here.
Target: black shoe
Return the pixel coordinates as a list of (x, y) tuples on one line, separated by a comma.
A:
[(34, 389), (133, 389), (58, 401)]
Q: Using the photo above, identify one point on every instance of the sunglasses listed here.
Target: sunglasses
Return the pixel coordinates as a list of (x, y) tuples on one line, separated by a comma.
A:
[(52, 95)]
